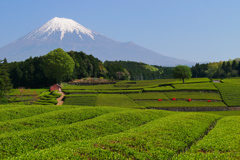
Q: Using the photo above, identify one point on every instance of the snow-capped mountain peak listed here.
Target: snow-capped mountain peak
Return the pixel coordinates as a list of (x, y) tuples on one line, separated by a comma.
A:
[(62, 25), (71, 36)]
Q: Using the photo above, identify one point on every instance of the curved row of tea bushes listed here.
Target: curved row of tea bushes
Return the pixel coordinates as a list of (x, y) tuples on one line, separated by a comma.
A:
[(16, 143), (196, 86), (194, 95), (79, 91), (48, 98), (89, 87), (29, 92), (28, 111), (222, 142), (119, 91), (159, 89), (158, 139), (80, 95), (230, 93), (20, 99), (10, 105), (81, 101), (147, 96), (116, 100), (180, 103), (54, 118)]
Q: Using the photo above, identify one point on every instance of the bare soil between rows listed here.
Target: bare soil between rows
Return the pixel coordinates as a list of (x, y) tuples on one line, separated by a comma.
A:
[(60, 99)]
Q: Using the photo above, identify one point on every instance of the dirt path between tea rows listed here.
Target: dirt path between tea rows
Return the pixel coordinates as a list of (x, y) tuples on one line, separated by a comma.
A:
[(60, 102)]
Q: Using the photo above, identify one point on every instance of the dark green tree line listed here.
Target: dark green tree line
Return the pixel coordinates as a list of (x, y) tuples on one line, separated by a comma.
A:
[(30, 73), (220, 69), (5, 82)]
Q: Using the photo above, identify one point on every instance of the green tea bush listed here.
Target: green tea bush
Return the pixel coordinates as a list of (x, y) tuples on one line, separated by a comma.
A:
[(27, 111), (91, 87), (54, 118), (17, 91), (81, 101), (224, 113), (179, 103), (148, 96), (159, 139), (56, 94), (119, 91), (222, 142), (79, 91), (230, 93), (196, 86), (18, 99), (48, 98), (235, 80), (193, 80), (17, 143), (116, 100), (194, 95), (80, 95), (159, 89)]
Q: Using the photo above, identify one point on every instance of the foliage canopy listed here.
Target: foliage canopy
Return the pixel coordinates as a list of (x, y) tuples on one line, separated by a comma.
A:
[(182, 72), (58, 64), (5, 82)]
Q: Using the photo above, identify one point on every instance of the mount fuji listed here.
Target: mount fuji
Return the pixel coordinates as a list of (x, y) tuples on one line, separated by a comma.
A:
[(70, 35)]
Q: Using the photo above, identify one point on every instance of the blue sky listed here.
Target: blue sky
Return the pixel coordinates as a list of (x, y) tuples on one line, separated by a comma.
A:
[(194, 30)]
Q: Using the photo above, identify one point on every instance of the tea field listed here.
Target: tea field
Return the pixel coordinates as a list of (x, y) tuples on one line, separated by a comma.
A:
[(163, 93), (77, 132), (123, 121)]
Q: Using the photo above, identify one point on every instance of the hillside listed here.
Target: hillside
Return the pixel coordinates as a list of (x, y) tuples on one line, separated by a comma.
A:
[(69, 35), (125, 120), (29, 73)]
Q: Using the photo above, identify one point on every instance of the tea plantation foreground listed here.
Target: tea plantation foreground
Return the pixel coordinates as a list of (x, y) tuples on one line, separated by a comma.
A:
[(77, 132), (115, 122)]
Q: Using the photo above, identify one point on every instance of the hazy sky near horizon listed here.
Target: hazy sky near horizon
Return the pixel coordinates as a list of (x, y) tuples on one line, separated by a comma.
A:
[(194, 30)]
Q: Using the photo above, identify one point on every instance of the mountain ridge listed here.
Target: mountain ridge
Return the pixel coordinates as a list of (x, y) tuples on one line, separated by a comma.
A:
[(69, 35)]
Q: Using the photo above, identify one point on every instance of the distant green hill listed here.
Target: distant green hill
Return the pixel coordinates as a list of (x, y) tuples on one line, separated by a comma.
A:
[(142, 71)]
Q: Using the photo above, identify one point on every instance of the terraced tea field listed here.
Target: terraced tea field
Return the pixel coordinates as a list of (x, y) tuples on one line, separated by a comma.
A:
[(112, 122), (163, 93), (196, 92), (230, 94), (80, 99)]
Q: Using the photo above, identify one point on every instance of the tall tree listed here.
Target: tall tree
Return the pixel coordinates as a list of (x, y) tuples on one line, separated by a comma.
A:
[(16, 76), (212, 69), (182, 71), (224, 65), (228, 67), (5, 82), (234, 65), (58, 64), (238, 68)]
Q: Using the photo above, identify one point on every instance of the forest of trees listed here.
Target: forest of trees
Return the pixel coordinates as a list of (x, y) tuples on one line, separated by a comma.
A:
[(30, 73), (222, 69), (139, 70), (5, 82)]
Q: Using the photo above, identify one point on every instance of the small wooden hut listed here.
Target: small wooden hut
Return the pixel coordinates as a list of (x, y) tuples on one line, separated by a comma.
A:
[(55, 87)]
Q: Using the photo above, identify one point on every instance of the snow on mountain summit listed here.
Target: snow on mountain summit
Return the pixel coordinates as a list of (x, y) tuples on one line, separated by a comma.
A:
[(71, 36), (62, 25)]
